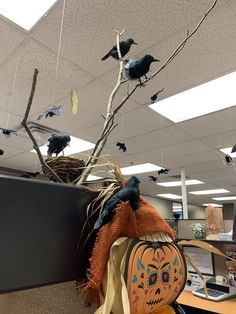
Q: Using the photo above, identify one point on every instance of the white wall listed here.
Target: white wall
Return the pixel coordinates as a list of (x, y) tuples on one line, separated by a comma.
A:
[(164, 207)]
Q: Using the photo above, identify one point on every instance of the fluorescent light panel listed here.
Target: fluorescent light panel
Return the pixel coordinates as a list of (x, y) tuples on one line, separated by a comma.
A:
[(76, 146), (225, 198), (170, 196), (179, 183), (204, 192), (227, 151), (25, 13), (142, 168), (206, 98), (212, 204)]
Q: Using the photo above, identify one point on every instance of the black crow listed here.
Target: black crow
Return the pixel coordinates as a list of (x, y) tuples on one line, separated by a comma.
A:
[(138, 67), (57, 142), (124, 49), (129, 192)]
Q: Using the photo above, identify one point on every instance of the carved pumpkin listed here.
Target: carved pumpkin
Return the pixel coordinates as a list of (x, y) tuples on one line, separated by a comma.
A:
[(155, 274)]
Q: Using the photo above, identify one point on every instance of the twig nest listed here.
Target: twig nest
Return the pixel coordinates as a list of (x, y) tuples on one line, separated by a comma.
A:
[(67, 168)]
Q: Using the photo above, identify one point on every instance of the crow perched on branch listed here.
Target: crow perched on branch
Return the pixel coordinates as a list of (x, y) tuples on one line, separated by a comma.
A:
[(138, 67), (129, 192), (124, 49)]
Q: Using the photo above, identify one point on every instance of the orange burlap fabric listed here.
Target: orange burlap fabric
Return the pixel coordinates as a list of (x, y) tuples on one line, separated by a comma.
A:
[(125, 223)]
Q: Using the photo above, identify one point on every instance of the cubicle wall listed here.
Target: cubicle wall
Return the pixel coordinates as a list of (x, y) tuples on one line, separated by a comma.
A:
[(40, 224), (185, 232), (185, 229)]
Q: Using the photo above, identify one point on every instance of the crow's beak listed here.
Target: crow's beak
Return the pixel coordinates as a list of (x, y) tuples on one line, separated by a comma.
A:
[(134, 43), (156, 60)]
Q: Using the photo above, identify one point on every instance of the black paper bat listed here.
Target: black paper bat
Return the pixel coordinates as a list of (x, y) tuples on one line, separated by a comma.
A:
[(152, 178), (1, 152), (155, 96), (233, 149), (228, 159), (121, 146), (163, 171), (8, 132)]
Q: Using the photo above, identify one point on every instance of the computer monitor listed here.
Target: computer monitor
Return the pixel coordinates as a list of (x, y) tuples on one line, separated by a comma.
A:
[(203, 259), (40, 224)]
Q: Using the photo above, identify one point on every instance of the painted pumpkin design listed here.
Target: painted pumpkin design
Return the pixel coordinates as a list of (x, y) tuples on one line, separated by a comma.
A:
[(155, 274)]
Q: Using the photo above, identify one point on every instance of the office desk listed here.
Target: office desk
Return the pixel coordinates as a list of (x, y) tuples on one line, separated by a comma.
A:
[(222, 307)]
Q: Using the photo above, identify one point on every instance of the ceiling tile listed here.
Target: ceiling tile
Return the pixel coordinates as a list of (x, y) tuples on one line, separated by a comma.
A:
[(164, 137), (10, 37)]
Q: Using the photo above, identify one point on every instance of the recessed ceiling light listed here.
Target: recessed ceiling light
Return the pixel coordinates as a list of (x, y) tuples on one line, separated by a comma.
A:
[(179, 183), (226, 198), (91, 177), (170, 196), (227, 151), (139, 169), (25, 13), (204, 192), (206, 98), (76, 146), (212, 204)]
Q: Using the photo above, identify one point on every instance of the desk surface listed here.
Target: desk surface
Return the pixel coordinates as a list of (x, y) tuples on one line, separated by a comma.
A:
[(221, 307)]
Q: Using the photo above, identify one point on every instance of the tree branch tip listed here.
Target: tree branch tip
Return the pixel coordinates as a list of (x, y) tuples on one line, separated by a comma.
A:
[(118, 32)]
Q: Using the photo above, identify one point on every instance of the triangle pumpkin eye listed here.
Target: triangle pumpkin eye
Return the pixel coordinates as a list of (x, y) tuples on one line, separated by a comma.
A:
[(152, 279)]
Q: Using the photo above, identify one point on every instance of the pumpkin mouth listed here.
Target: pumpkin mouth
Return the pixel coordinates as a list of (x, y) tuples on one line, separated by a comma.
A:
[(154, 302)]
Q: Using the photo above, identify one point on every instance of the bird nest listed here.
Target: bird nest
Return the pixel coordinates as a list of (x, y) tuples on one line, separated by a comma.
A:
[(66, 168)]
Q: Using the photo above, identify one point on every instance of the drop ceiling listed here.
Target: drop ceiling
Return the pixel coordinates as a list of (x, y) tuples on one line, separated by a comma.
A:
[(87, 33)]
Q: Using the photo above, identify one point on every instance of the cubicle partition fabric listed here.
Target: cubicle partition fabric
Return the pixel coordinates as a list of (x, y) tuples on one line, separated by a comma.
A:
[(40, 224)]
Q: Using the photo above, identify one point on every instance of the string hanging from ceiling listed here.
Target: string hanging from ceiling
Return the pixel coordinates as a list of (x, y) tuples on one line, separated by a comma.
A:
[(12, 92), (58, 51)]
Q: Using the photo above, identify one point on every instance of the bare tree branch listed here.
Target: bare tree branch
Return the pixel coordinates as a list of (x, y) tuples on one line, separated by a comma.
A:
[(24, 124), (109, 119)]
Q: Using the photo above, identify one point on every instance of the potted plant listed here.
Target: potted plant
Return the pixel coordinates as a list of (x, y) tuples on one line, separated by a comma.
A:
[(199, 230)]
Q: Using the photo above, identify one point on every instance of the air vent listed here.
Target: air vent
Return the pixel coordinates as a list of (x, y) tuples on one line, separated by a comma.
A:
[(40, 132)]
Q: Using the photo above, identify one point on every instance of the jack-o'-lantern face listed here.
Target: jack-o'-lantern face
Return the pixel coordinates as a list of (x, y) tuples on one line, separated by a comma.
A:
[(155, 275)]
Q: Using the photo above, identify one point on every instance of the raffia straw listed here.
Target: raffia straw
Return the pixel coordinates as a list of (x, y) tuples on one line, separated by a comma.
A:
[(104, 195)]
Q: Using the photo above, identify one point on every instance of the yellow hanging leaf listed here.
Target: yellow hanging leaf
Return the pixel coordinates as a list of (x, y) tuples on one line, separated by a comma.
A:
[(74, 102)]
